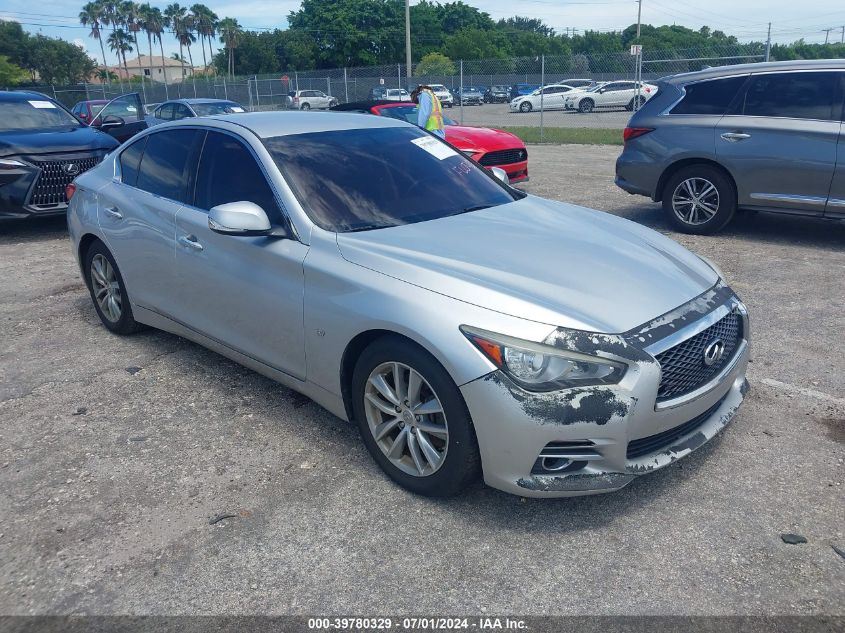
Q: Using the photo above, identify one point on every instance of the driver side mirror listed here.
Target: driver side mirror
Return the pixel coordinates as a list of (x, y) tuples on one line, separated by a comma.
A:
[(111, 121), (239, 218), (501, 174)]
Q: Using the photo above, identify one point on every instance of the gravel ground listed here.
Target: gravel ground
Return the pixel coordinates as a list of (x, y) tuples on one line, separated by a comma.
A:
[(115, 453)]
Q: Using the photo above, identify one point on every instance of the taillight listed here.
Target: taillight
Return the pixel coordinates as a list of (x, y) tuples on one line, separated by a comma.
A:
[(296, 99), (635, 132), (69, 191)]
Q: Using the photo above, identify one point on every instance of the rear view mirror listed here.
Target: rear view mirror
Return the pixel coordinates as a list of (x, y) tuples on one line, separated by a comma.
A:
[(239, 218), (501, 174)]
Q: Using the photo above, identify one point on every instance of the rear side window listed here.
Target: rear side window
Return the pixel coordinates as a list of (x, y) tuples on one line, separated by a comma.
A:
[(228, 172), (797, 95), (710, 97), (164, 164), (130, 161)]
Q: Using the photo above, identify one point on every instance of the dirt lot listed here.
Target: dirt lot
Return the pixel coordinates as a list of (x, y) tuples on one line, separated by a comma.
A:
[(116, 452), (498, 115)]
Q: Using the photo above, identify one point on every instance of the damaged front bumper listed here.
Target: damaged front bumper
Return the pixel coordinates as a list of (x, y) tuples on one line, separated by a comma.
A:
[(602, 437)]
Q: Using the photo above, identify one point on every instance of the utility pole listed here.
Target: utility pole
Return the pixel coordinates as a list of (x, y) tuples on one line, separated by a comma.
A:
[(769, 42), (638, 61), (408, 37), (639, 18), (826, 35), (842, 37)]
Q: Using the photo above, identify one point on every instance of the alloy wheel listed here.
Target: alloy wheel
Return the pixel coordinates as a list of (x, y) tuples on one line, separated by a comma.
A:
[(695, 201), (406, 419), (106, 288)]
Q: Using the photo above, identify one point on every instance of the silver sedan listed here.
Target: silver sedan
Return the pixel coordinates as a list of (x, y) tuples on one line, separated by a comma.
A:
[(467, 328)]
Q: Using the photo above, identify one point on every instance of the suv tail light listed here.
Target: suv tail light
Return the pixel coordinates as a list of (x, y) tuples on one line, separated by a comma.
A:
[(69, 191), (635, 132)]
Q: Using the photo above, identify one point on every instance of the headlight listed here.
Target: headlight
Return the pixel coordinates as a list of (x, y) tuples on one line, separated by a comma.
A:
[(11, 163), (538, 367)]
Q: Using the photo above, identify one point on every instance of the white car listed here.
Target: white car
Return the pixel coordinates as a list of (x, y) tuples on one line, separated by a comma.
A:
[(443, 94), (312, 100), (396, 94), (611, 94), (552, 99)]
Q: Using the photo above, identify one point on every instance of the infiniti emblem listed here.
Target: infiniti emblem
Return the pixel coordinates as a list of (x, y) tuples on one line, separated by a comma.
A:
[(71, 169), (713, 352)]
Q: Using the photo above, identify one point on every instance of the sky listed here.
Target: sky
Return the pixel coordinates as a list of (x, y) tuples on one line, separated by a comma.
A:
[(747, 19)]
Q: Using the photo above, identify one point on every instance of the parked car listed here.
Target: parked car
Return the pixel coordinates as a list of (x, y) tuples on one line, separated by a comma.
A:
[(447, 100), (497, 94), (149, 108), (764, 137), (520, 90), (465, 327), (488, 147), (312, 100), (85, 111), (396, 94), (546, 98), (471, 96), (122, 117), (43, 147), (188, 108), (580, 84), (610, 94)]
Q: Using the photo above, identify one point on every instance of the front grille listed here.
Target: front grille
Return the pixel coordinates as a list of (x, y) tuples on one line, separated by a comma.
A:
[(683, 368), (504, 157), (653, 443), (49, 189)]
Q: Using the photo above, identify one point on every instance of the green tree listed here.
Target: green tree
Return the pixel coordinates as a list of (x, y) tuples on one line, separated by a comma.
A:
[(176, 15), (57, 61), (92, 16), (10, 74), (435, 64), (230, 34), (120, 43), (205, 22), (131, 12)]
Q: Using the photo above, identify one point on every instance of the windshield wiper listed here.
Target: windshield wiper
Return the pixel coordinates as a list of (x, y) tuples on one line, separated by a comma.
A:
[(477, 207)]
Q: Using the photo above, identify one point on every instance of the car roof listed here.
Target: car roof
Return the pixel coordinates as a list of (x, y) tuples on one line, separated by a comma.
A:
[(270, 124), (21, 95), (197, 100), (758, 67), (367, 104)]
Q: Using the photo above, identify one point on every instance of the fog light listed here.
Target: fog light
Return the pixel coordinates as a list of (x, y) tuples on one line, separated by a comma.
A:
[(554, 464)]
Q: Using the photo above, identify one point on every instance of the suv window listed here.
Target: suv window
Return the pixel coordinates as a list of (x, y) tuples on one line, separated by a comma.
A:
[(796, 95), (228, 172), (130, 160), (710, 97), (163, 166)]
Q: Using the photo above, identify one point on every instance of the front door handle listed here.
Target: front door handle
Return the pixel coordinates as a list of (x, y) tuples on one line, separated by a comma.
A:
[(733, 137), (191, 242), (113, 212)]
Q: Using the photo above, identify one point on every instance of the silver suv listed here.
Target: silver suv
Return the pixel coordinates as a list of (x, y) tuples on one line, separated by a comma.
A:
[(313, 99), (756, 136)]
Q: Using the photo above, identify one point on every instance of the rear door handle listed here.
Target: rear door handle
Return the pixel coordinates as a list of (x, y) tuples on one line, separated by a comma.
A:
[(191, 242), (733, 137), (113, 212)]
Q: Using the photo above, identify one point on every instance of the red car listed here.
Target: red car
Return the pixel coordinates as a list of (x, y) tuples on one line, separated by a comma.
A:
[(486, 146), (87, 110)]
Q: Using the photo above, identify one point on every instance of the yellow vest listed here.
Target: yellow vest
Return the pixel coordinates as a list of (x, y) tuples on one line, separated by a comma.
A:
[(435, 119)]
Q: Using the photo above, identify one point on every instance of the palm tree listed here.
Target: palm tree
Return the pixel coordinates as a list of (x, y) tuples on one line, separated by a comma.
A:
[(205, 22), (175, 15), (120, 43), (131, 12), (187, 37), (230, 33), (92, 15), (153, 23)]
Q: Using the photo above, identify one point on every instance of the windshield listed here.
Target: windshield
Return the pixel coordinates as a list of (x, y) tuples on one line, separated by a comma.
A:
[(222, 107), (408, 113), (356, 180), (34, 114), (593, 88)]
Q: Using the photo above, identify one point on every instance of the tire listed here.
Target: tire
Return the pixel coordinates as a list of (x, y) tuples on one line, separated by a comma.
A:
[(632, 104), (699, 199), (525, 106), (305, 106), (100, 267), (586, 105), (455, 462)]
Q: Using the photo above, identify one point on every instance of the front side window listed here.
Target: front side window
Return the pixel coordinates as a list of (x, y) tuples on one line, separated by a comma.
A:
[(127, 107), (710, 97), (228, 172), (163, 170), (37, 113), (130, 161), (796, 95), (165, 112), (356, 180), (181, 111), (221, 107)]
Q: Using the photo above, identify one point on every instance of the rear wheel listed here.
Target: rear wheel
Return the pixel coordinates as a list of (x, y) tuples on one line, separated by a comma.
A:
[(413, 419), (108, 291), (305, 106), (586, 105), (699, 199), (635, 103), (525, 106)]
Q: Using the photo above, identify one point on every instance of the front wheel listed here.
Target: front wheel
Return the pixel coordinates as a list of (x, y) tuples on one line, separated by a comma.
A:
[(699, 199), (525, 106), (586, 105), (413, 419)]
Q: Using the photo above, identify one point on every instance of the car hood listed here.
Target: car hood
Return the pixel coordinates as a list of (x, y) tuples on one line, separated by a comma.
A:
[(482, 138), (60, 140), (540, 260)]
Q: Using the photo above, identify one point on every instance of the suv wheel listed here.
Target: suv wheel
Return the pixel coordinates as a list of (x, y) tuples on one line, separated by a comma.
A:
[(413, 419), (108, 291), (305, 106), (699, 199), (586, 105), (525, 106)]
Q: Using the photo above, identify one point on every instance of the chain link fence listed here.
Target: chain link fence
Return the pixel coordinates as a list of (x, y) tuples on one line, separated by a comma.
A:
[(481, 90)]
